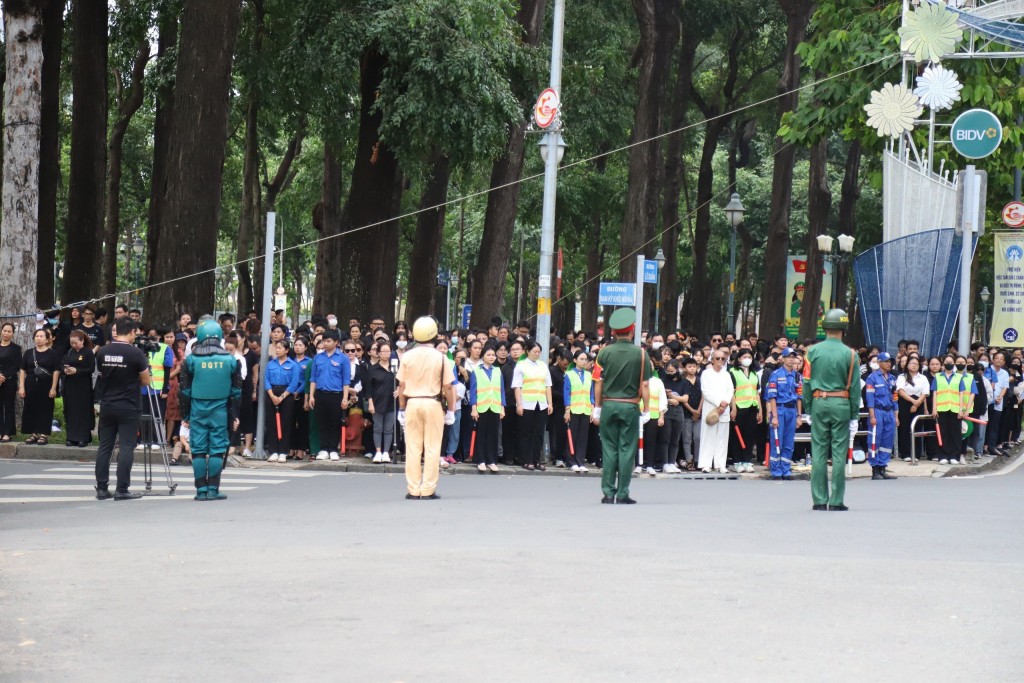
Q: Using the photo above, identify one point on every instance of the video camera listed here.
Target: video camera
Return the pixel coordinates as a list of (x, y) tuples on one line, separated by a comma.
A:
[(146, 345)]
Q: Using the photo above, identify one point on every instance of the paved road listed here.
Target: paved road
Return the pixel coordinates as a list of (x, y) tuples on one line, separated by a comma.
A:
[(336, 577)]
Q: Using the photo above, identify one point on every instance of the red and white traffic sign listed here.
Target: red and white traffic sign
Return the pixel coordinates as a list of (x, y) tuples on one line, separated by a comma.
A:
[(546, 110), (1013, 214)]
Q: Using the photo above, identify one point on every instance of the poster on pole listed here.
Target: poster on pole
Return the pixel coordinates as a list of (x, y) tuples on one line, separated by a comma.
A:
[(1008, 302), (796, 279)]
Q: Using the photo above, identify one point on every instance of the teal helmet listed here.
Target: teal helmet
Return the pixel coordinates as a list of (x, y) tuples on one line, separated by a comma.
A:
[(207, 330)]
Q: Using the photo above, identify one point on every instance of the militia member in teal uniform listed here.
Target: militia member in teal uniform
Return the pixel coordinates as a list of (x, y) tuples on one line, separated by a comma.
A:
[(209, 389), (622, 383), (832, 405)]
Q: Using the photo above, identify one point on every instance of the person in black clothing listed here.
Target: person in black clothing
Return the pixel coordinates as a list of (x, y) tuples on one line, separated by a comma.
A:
[(510, 425), (249, 407), (124, 370), (380, 391), (690, 392), (556, 420), (10, 362), (92, 330), (78, 364), (672, 378), (39, 376)]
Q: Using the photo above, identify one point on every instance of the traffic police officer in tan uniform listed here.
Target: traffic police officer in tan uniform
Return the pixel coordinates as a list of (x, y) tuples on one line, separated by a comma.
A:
[(426, 377)]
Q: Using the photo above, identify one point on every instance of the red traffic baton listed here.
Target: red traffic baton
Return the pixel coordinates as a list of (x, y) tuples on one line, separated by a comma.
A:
[(743, 444), (277, 414), (938, 433), (572, 448), (472, 445), (976, 420), (343, 435)]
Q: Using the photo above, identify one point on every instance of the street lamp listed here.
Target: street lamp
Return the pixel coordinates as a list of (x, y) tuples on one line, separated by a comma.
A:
[(543, 145), (660, 259), (825, 244), (984, 323), (138, 246), (734, 212)]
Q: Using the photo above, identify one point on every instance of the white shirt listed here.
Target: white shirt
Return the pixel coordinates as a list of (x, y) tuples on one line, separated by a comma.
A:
[(716, 387), (918, 388), (517, 381)]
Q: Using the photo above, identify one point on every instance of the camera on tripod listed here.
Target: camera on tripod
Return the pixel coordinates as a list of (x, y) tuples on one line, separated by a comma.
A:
[(146, 345)]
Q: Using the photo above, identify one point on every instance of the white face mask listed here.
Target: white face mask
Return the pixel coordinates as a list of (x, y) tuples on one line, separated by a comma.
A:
[(656, 345), (983, 363), (401, 343), (455, 339), (746, 361), (333, 322), (873, 365)]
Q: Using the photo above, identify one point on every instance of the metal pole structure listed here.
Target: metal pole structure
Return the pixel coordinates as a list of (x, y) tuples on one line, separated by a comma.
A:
[(984, 325), (268, 305), (657, 303), (280, 274), (639, 298), (519, 281), (448, 304), (732, 280), (547, 233), (970, 212)]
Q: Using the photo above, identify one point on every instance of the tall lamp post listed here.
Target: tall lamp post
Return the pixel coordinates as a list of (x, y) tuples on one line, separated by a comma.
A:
[(734, 212), (825, 243), (552, 148), (138, 246), (660, 259), (984, 321)]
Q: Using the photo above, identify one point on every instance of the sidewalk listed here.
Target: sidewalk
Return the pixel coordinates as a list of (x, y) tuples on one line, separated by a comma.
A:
[(924, 468)]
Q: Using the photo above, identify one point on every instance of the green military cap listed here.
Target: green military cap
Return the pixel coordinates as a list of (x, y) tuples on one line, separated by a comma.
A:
[(835, 319), (622, 319)]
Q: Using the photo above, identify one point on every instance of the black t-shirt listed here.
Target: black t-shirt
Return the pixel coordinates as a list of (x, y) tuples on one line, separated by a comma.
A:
[(119, 365), (691, 389), (252, 360), (95, 333)]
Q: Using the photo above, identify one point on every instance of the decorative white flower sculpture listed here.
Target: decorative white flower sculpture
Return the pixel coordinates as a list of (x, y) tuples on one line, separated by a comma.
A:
[(938, 87), (930, 32), (892, 110)]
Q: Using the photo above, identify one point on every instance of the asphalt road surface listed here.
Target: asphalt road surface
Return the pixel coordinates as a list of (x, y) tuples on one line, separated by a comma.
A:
[(336, 577)]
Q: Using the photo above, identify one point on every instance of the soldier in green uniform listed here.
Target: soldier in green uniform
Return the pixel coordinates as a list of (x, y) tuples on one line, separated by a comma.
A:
[(618, 389), (209, 389), (832, 404)]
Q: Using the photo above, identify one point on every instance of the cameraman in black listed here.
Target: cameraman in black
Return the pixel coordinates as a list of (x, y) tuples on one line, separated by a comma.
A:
[(124, 370)]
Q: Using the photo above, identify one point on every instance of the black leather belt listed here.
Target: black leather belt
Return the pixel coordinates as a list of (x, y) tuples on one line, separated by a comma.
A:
[(791, 404)]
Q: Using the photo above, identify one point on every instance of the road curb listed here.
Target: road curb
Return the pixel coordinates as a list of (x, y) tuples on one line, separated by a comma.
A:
[(992, 465)]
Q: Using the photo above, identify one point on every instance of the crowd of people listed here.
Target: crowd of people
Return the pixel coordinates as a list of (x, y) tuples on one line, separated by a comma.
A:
[(330, 389)]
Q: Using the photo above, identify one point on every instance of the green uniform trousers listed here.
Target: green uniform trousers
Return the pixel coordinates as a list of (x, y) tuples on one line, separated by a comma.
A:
[(620, 436), (208, 426), (830, 438)]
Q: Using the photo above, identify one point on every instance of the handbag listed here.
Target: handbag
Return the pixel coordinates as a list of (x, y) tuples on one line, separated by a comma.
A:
[(40, 373), (713, 417)]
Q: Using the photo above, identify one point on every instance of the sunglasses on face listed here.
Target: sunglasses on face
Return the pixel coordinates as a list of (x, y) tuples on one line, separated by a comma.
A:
[(350, 350)]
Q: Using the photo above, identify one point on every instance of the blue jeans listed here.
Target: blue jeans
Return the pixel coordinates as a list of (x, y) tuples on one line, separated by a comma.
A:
[(453, 435)]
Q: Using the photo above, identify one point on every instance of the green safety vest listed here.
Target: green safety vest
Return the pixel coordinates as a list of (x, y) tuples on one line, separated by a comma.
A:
[(746, 388), (968, 385), (947, 393), (579, 393), (655, 394), (535, 380), (488, 390), (156, 367)]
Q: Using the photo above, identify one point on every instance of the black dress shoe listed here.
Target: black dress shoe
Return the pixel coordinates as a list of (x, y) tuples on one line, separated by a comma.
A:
[(608, 500), (838, 508), (788, 477), (625, 501), (432, 496), (820, 507), (409, 496), (126, 495), (886, 475), (70, 443), (102, 493)]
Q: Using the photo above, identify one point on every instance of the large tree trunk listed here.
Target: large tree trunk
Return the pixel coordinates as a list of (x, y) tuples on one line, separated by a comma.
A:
[(190, 222), (819, 203), (327, 221), (773, 295), (369, 244), (659, 31), (848, 197), (49, 150), (249, 216), (426, 250), (88, 149), (595, 258), (127, 104), (700, 316), (23, 33), (500, 217), (167, 43)]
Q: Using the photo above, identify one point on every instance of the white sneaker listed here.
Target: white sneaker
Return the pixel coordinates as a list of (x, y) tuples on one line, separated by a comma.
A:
[(377, 458), (672, 469), (907, 459), (738, 467), (322, 455), (650, 470), (943, 462), (559, 463), (583, 468), (369, 455), (575, 468), (482, 467), (246, 453), (384, 457), (335, 456), (749, 467), (705, 470), (955, 462), (638, 470), (272, 458), (723, 470)]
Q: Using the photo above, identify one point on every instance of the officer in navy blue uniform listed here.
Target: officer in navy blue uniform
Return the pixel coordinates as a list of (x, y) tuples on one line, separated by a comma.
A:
[(783, 396), (880, 387)]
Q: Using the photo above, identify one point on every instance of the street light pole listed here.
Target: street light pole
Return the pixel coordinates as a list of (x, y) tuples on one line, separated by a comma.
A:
[(660, 260), (984, 321), (547, 233), (734, 212)]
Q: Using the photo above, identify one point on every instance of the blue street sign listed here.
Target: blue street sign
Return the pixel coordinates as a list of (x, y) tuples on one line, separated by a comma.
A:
[(443, 277), (650, 272), (617, 294), (467, 310)]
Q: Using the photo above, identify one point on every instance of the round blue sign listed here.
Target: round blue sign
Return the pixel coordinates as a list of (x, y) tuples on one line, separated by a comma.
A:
[(1010, 335), (1014, 253)]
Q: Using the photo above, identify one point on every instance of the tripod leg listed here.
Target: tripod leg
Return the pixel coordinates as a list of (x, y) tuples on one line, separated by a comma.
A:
[(161, 438)]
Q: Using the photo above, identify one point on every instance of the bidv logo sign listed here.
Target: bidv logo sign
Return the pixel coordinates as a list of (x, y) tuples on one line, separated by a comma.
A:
[(976, 133)]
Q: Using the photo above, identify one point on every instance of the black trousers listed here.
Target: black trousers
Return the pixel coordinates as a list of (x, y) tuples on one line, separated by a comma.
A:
[(486, 449), (329, 417), (8, 392), (668, 449), (123, 426), (510, 437), (746, 420), (300, 427), (579, 425), (531, 435), (995, 422), (274, 443), (653, 453), (949, 423), (556, 434)]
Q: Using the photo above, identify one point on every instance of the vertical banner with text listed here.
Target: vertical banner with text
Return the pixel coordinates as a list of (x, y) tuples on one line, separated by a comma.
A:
[(1008, 305), (796, 276)]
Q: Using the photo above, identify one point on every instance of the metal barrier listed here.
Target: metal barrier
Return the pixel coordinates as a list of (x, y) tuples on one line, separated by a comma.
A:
[(805, 437), (914, 435)]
